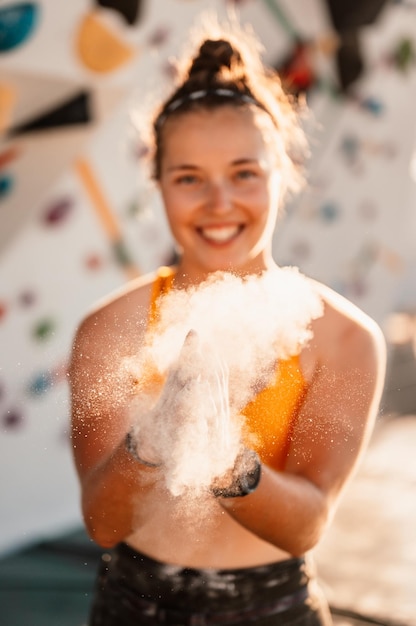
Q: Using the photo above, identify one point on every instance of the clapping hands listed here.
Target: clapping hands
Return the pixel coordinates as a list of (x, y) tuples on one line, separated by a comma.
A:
[(190, 430)]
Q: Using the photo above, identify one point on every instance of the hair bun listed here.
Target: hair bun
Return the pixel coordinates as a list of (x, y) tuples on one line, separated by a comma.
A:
[(213, 56)]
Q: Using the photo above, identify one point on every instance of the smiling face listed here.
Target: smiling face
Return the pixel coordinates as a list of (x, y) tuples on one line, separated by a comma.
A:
[(220, 187)]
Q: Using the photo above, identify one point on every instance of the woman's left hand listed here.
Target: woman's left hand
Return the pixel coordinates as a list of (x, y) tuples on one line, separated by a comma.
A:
[(190, 431)]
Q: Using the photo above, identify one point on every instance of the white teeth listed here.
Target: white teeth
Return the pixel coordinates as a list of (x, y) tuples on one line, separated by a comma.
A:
[(220, 234)]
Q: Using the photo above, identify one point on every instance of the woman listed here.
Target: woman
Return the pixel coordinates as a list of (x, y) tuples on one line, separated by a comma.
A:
[(233, 548)]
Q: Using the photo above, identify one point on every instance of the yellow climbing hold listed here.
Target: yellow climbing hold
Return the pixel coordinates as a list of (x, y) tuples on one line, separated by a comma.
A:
[(100, 49), (7, 103)]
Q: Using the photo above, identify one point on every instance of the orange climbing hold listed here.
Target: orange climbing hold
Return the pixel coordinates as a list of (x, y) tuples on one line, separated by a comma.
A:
[(100, 49)]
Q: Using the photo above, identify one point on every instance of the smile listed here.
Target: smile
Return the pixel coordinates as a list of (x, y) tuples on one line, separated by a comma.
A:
[(220, 234)]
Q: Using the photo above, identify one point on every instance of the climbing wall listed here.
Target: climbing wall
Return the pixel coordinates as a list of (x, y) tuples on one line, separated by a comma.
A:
[(78, 217), (354, 227)]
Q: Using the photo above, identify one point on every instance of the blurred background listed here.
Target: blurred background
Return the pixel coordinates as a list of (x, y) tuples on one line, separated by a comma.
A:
[(78, 219)]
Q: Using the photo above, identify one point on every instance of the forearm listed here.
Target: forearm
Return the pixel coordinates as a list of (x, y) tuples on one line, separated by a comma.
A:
[(112, 496), (286, 510)]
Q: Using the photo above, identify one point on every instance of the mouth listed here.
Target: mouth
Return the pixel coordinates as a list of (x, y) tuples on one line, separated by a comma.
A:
[(220, 235)]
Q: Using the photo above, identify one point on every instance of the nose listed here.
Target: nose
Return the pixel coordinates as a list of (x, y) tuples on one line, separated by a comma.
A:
[(219, 197)]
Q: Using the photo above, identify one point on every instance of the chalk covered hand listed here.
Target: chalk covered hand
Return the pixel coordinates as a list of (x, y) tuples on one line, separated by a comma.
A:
[(189, 431), (240, 480)]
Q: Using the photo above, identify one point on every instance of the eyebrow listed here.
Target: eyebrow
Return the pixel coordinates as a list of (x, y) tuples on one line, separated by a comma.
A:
[(246, 161), (185, 166)]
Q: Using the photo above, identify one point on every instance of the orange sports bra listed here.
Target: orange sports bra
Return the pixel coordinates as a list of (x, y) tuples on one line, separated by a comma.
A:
[(270, 416)]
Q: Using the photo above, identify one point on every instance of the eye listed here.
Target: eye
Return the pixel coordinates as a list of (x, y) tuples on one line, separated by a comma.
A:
[(246, 174), (186, 179)]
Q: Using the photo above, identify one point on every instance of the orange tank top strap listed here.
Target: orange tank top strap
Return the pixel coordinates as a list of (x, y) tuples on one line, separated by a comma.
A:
[(152, 379), (161, 286)]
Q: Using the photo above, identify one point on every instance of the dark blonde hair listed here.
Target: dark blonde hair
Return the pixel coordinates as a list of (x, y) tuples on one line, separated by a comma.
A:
[(226, 72)]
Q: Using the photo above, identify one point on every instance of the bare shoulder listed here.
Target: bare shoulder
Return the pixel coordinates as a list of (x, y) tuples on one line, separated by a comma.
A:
[(111, 332), (119, 319), (344, 334)]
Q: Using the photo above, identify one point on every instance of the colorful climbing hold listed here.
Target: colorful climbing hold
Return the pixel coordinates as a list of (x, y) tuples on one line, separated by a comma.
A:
[(44, 329), (350, 147), (8, 155), (12, 418), (140, 150), (159, 36), (372, 105), (27, 298), (100, 49), (56, 213), (3, 310), (6, 185), (404, 54), (129, 9), (7, 103), (73, 111), (121, 253), (329, 211), (94, 261), (40, 383), (17, 24)]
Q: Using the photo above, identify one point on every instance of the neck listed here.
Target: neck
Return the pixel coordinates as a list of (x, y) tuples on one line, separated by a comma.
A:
[(188, 275)]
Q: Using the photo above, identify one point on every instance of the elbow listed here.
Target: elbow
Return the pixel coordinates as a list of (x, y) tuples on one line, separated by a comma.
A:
[(310, 534), (103, 539), (106, 542), (100, 533), (100, 527), (301, 545)]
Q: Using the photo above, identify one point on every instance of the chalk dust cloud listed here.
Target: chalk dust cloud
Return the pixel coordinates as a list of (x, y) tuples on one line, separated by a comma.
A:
[(240, 329)]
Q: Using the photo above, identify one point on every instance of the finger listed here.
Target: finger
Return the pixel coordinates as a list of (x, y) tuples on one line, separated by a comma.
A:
[(192, 341), (219, 376), (182, 369), (192, 335)]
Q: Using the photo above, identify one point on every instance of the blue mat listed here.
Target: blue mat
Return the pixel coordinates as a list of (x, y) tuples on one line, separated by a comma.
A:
[(49, 583)]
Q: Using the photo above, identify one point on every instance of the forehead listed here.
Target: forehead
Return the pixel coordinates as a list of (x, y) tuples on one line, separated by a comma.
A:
[(225, 132)]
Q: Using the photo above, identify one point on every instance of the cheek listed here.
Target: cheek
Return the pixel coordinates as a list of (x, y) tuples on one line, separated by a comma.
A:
[(264, 201), (268, 200), (172, 214), (171, 202), (254, 195), (176, 213)]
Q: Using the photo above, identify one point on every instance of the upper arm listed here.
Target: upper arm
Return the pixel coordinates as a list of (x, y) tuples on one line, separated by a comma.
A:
[(101, 382), (341, 404), (99, 391)]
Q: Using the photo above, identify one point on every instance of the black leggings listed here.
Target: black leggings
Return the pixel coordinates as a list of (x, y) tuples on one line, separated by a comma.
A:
[(133, 590)]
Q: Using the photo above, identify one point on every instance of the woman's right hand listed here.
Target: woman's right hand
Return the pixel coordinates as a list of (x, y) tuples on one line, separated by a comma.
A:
[(189, 430)]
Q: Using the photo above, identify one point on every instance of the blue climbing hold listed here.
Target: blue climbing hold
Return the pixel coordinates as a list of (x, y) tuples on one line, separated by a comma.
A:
[(329, 211), (40, 384), (17, 23), (6, 184)]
